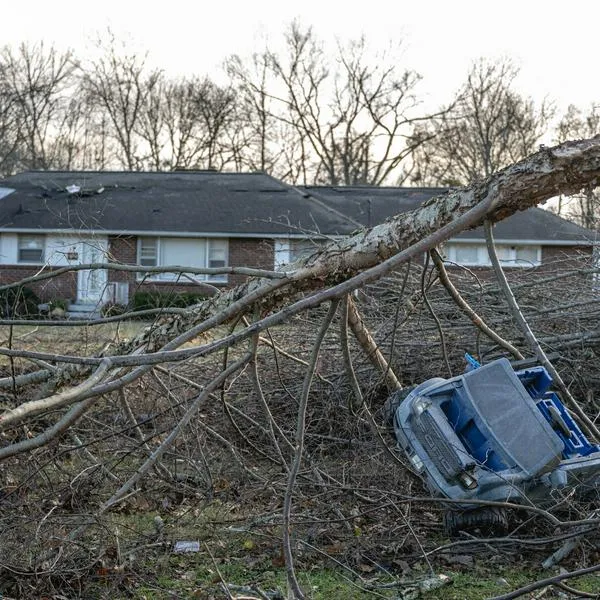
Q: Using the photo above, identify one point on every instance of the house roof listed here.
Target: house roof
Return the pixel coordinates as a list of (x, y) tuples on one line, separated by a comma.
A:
[(229, 204), (371, 205), (196, 202)]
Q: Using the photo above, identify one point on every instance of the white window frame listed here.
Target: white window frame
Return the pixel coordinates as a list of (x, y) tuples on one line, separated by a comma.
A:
[(22, 237), (510, 252), (281, 250), (140, 250), (210, 247), (521, 262), (217, 245)]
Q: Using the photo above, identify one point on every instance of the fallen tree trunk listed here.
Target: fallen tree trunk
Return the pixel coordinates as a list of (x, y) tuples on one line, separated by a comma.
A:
[(342, 266), (564, 169)]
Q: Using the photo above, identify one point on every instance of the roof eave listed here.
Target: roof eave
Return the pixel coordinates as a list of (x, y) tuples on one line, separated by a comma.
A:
[(276, 235)]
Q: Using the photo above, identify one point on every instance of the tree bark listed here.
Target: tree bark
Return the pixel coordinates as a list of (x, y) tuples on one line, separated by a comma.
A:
[(564, 169), (348, 264)]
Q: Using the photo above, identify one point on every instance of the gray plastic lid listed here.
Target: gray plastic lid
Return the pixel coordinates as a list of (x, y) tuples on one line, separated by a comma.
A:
[(519, 429)]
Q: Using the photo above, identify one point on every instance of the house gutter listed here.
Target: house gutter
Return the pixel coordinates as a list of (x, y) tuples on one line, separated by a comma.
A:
[(163, 233), (285, 236)]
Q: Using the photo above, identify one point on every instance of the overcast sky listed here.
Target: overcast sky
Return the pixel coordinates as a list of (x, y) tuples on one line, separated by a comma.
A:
[(555, 42)]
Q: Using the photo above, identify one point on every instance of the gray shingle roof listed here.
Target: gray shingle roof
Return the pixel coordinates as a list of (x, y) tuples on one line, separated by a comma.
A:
[(178, 202), (233, 204)]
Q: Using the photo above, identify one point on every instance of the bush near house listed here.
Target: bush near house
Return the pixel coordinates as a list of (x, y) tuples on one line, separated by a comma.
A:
[(18, 302), (113, 309)]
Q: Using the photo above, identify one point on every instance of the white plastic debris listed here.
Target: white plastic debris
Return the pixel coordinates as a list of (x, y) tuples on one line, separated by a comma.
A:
[(412, 592), (159, 524), (186, 546), (432, 583)]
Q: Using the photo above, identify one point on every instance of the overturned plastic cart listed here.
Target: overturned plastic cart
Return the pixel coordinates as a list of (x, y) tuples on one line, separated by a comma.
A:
[(493, 434)]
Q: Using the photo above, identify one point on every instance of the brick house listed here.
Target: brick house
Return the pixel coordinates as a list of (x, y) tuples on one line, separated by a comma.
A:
[(52, 219), (533, 238)]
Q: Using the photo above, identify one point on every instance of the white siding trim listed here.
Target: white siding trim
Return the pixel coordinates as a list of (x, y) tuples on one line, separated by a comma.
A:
[(9, 249), (281, 252), (167, 234), (524, 242), (483, 260)]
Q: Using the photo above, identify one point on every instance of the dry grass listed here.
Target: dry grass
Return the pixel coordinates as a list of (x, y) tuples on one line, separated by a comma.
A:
[(223, 481), (78, 340)]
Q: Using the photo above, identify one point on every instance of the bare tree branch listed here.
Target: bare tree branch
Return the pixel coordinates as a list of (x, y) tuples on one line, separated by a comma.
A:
[(531, 338), (299, 447), (548, 581), (464, 306)]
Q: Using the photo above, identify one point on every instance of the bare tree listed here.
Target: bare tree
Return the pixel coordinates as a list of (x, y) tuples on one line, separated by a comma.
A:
[(263, 140), (255, 113), (38, 83), (118, 85), (9, 134), (216, 107), (79, 143), (151, 126), (584, 208), (184, 124), (489, 126), (352, 114)]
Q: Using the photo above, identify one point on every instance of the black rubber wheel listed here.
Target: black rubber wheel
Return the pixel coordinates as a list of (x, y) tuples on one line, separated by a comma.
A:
[(487, 520)]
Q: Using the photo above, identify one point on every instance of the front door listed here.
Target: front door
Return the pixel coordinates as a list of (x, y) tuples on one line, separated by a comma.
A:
[(91, 283)]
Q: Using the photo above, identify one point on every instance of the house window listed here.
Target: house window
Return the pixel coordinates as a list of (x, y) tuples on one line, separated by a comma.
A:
[(217, 257), (476, 255), (182, 252), (288, 251), (31, 249), (528, 254), (302, 248), (520, 256), (467, 254), (148, 251)]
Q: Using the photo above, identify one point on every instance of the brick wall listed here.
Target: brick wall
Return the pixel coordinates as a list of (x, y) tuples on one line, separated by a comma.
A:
[(61, 287), (256, 253), (122, 249), (245, 252), (565, 257)]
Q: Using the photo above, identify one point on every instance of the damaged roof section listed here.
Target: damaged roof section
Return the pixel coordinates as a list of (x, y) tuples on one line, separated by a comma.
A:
[(173, 202)]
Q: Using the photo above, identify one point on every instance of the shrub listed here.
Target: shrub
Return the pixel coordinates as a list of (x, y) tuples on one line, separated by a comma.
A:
[(113, 309), (58, 303), (21, 302)]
